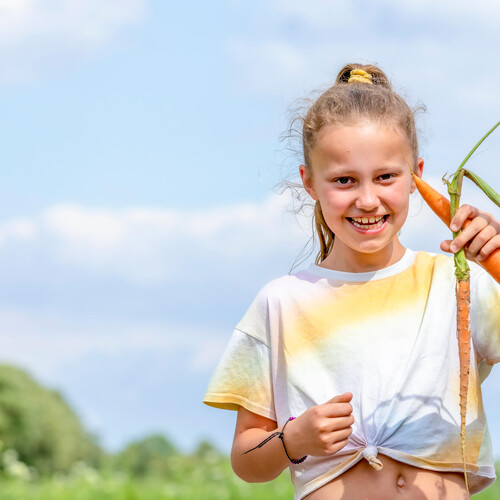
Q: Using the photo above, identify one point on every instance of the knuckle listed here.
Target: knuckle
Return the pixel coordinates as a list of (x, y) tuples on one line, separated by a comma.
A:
[(316, 411)]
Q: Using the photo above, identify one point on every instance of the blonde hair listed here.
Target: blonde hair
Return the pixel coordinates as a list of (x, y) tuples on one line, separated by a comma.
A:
[(355, 100)]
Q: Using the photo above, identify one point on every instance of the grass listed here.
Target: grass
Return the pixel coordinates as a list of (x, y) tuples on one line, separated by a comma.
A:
[(221, 488), (211, 479)]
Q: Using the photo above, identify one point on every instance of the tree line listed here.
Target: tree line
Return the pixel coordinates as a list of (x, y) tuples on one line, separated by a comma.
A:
[(45, 433)]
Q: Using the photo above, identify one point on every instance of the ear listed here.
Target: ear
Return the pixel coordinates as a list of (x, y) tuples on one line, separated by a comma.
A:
[(419, 168), (307, 181)]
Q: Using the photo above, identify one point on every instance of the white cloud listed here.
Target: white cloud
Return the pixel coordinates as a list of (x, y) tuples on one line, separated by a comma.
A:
[(37, 36), (143, 245)]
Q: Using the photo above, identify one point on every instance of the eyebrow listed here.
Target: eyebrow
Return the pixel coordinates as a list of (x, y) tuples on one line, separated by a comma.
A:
[(339, 170)]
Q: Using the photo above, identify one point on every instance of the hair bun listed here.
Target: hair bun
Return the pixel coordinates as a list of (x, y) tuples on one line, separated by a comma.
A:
[(360, 76), (363, 73)]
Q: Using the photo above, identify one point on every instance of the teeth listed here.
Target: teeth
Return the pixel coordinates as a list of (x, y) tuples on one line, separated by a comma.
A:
[(361, 222), (367, 220)]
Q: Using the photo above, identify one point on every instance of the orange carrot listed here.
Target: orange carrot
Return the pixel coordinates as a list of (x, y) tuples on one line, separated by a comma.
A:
[(463, 334), (441, 207), (445, 210)]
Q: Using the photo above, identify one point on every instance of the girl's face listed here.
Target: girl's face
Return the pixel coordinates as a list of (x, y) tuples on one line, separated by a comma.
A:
[(361, 177)]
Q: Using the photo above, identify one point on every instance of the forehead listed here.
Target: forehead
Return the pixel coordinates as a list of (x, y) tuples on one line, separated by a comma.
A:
[(368, 141)]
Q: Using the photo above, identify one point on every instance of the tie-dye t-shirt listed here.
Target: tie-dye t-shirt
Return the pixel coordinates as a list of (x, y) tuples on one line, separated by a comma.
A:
[(389, 337)]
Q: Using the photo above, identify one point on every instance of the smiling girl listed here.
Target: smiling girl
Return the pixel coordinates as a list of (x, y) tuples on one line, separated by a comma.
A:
[(347, 372)]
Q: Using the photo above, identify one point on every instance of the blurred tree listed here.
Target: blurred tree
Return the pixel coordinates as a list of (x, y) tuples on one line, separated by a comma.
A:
[(150, 456), (207, 451), (40, 425)]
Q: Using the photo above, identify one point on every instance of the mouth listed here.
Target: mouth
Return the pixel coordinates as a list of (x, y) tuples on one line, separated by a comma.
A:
[(368, 223)]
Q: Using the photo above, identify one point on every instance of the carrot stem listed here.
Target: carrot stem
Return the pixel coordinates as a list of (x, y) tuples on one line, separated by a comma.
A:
[(484, 186), (471, 152), (455, 191)]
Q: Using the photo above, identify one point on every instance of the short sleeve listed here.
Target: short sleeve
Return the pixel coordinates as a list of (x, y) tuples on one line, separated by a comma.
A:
[(485, 315), (243, 377)]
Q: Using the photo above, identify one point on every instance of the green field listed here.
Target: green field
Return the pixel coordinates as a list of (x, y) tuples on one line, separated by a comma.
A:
[(188, 480)]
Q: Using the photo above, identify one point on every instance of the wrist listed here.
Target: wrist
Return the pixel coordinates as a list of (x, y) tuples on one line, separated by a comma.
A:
[(291, 444)]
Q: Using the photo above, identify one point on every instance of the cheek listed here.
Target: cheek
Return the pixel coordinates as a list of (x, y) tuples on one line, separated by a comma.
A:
[(401, 201), (337, 202), (401, 197)]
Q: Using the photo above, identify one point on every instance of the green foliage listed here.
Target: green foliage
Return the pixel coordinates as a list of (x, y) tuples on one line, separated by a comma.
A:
[(214, 482), (224, 485), (40, 426), (149, 456)]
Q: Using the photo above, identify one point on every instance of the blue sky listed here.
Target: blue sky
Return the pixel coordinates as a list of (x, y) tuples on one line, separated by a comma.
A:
[(141, 150)]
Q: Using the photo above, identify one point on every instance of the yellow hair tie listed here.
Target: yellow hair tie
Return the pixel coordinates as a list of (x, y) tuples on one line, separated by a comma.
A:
[(361, 76)]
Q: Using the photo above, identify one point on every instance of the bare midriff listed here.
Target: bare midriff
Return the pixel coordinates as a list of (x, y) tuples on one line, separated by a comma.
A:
[(395, 480)]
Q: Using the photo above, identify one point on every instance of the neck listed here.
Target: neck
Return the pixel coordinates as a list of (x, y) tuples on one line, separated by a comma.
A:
[(360, 262)]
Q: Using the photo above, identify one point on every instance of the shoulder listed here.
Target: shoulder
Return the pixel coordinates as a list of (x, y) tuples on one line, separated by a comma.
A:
[(437, 259), (445, 263), (438, 264), (286, 286), (275, 295), (443, 272)]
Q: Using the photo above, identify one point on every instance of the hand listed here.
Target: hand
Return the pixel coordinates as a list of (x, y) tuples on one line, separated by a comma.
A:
[(321, 430), (481, 234)]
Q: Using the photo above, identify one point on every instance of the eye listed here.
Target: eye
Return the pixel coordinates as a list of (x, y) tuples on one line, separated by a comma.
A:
[(342, 180), (386, 177)]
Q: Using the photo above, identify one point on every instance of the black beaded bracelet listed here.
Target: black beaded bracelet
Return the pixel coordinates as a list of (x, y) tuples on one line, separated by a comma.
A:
[(281, 437)]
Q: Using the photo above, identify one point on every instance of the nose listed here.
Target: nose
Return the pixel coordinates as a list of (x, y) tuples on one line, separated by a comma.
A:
[(367, 197)]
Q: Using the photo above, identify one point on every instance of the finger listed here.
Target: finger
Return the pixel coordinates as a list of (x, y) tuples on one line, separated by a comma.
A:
[(341, 398), (488, 248), (339, 423), (469, 233), (338, 446), (480, 240), (462, 214), (341, 434), (445, 246), (338, 440), (334, 410)]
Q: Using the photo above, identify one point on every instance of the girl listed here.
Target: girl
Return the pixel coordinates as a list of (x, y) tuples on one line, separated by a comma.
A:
[(361, 347)]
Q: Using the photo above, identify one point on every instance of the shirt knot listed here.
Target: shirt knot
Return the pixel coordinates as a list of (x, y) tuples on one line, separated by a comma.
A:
[(370, 454)]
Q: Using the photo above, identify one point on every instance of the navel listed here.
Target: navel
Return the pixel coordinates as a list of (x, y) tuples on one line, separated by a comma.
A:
[(400, 483)]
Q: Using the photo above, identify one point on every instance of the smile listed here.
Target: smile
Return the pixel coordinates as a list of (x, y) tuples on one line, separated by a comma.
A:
[(368, 223)]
